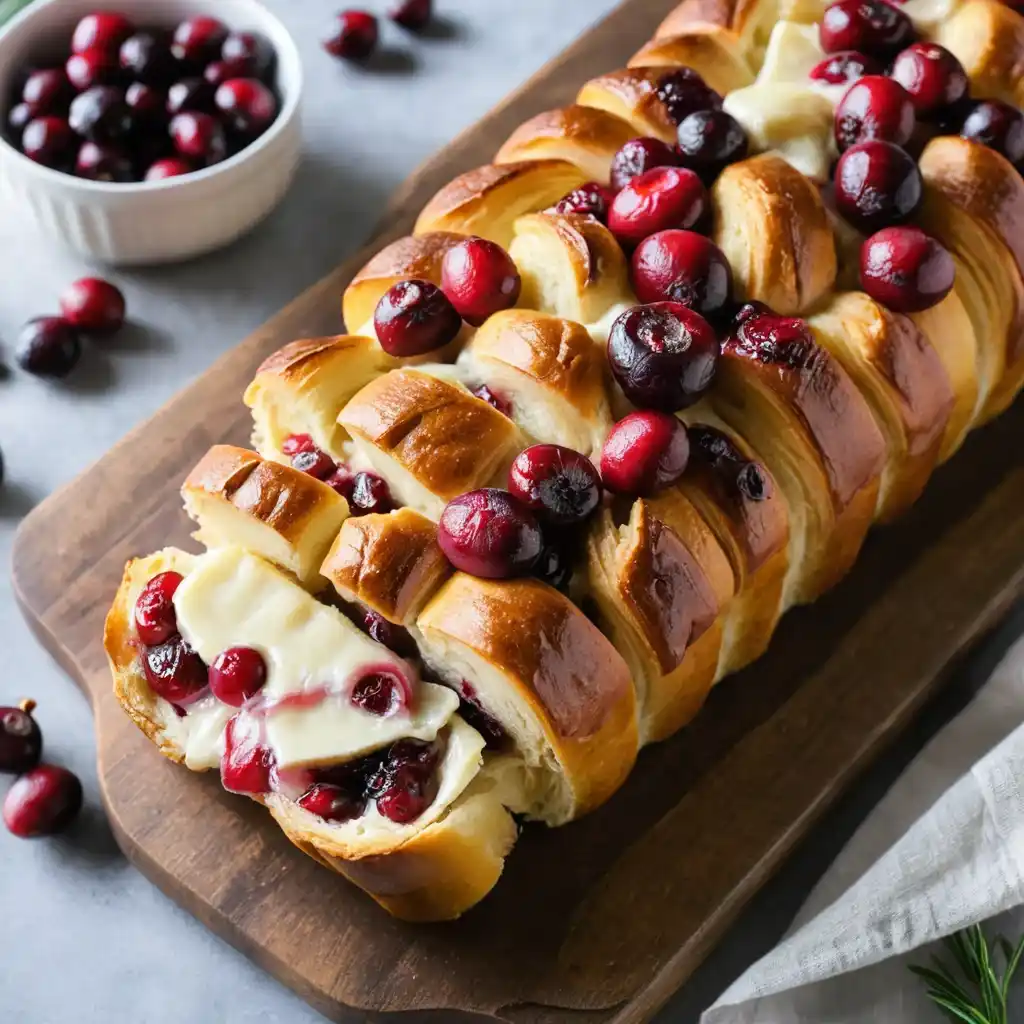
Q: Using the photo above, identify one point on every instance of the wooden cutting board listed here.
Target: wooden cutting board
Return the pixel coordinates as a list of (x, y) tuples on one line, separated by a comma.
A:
[(604, 919)]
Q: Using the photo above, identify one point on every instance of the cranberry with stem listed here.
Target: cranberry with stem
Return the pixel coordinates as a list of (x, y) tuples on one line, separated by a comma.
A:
[(480, 279), (682, 266), (415, 317), (645, 452), (237, 675), (657, 200), (156, 620), (21, 739), (355, 36), (93, 305), (49, 347), (639, 155), (558, 484), (42, 802), (491, 534)]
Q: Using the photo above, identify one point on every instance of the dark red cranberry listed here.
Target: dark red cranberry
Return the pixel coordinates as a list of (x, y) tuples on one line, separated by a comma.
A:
[(684, 92), (905, 269), (237, 675), (382, 692), (370, 494), (21, 740), (146, 57), (104, 31), (195, 94), (639, 155), (101, 115), (558, 484), (591, 199), (252, 52), (147, 103), (999, 126), (682, 266), (171, 167), (174, 671), (18, 118), (49, 141), (415, 317), (845, 67), (405, 786), (873, 26), (103, 163), (485, 394), (295, 443), (221, 71), (775, 340), (710, 140), (95, 67), (94, 306), (315, 462), (874, 107), (199, 40), (42, 802), (932, 76), (412, 14), (473, 713), (394, 637), (644, 453), (49, 347), (246, 105), (332, 803), (714, 449), (877, 184), (199, 137), (554, 566), (490, 533), (155, 618), (342, 480), (663, 355), (47, 92), (247, 764), (480, 279), (355, 36), (659, 199)]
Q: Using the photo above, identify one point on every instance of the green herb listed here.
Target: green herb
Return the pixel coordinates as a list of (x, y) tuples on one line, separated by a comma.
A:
[(9, 8)]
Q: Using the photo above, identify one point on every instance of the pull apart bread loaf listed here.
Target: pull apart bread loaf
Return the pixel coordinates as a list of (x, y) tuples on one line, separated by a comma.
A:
[(624, 396)]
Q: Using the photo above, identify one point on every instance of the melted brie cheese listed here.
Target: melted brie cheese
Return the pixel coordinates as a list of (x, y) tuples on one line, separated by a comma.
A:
[(792, 54), (600, 329)]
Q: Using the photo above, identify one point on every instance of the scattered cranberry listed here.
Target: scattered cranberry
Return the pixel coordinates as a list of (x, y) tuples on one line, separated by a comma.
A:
[(877, 184), (174, 671), (639, 155), (104, 31), (237, 674), (684, 92), (710, 140), (147, 57), (905, 269), (394, 637), (845, 67), (560, 485), (190, 94), (480, 279), (49, 141), (415, 317), (412, 14), (370, 494), (252, 52), (315, 462), (246, 105), (199, 137), (491, 534), (49, 347), (246, 765), (47, 92), (21, 740), (43, 802), (95, 67), (485, 394), (999, 126), (331, 803), (355, 37), (682, 266), (932, 76), (659, 199), (171, 167), (382, 693), (873, 26), (404, 786), (644, 453), (198, 40), (156, 621), (101, 115), (591, 199), (874, 107)]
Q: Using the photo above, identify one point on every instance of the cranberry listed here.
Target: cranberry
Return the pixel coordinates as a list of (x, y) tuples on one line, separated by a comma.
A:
[(999, 126), (103, 163), (877, 184), (95, 67), (103, 30), (221, 71), (147, 57), (195, 94), (295, 443), (874, 107), (49, 141), (480, 279), (709, 140), (932, 76), (485, 394), (355, 37), (663, 355), (415, 317), (383, 693), (682, 266), (873, 26), (199, 137), (472, 711), (659, 199), (684, 92), (171, 167), (844, 67), (49, 347), (101, 115), (155, 618), (18, 118), (412, 14), (174, 671), (558, 484), (774, 340), (42, 802), (93, 305), (237, 674), (315, 462), (905, 269), (639, 155), (490, 533), (404, 786), (331, 803), (252, 53), (370, 494), (198, 40), (342, 480), (246, 105), (47, 92), (147, 104), (554, 567), (394, 637), (591, 199), (644, 453), (247, 765), (715, 450), (21, 740)]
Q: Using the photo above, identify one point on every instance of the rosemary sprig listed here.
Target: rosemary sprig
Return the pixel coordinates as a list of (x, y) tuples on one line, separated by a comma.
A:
[(974, 992), (9, 8)]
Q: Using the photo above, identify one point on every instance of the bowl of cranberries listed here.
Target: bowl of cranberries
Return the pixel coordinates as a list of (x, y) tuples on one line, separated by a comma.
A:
[(139, 132)]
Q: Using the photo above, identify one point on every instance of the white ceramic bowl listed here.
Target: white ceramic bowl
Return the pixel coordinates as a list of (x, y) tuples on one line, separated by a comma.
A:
[(159, 221)]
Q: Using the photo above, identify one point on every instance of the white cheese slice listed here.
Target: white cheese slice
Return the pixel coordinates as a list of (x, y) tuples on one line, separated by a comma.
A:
[(793, 52)]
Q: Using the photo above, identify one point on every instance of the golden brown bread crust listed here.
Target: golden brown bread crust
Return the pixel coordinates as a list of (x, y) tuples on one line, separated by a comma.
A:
[(712, 54), (632, 94)]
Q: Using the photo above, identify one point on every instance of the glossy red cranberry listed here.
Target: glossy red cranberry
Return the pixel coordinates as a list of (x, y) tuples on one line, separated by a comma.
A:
[(49, 347), (684, 92), (771, 339), (844, 67), (94, 306), (480, 279), (295, 443), (147, 104), (932, 76), (252, 52), (199, 137), (382, 692), (491, 534), (659, 199), (405, 786), (146, 57), (49, 141), (558, 484), (355, 36), (394, 637), (592, 199), (42, 802), (155, 618), (905, 269), (101, 115), (247, 765), (174, 671), (710, 140), (485, 394), (21, 740), (198, 40), (92, 68), (195, 94), (170, 167), (370, 494), (873, 26), (472, 711), (639, 155), (999, 126), (415, 317), (103, 30), (332, 803), (18, 118), (246, 105), (874, 107), (663, 355), (412, 14), (682, 266), (47, 91), (877, 184), (315, 462), (237, 675), (644, 453)]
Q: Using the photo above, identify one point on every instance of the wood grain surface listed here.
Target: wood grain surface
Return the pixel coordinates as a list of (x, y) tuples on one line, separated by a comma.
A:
[(601, 920)]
